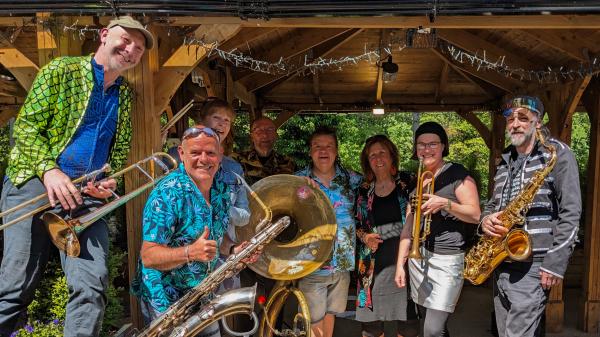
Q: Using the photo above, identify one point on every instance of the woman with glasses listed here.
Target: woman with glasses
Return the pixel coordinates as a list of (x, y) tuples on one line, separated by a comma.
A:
[(436, 279), (380, 216)]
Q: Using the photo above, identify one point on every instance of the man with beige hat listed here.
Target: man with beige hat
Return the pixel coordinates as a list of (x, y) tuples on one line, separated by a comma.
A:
[(74, 120)]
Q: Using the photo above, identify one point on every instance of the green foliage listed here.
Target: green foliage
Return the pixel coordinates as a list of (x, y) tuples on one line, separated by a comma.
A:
[(580, 143), (50, 301), (39, 329), (466, 146)]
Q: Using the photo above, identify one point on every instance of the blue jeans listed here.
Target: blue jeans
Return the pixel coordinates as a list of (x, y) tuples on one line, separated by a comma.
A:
[(26, 250)]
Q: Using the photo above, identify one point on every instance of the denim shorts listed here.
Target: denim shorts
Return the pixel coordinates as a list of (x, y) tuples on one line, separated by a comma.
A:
[(325, 294)]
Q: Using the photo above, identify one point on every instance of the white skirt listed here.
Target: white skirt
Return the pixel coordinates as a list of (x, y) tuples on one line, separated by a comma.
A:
[(436, 280)]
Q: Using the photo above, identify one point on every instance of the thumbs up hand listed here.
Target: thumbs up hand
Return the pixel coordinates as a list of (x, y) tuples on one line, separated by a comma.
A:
[(203, 249)]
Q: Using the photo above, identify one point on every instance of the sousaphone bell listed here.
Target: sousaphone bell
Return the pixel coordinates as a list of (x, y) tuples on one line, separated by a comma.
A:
[(299, 250)]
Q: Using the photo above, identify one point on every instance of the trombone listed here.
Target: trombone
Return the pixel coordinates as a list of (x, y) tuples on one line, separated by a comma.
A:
[(419, 236), (87, 177), (64, 233)]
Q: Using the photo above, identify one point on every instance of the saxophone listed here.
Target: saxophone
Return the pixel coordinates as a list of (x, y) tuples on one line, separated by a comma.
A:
[(490, 251), (184, 317)]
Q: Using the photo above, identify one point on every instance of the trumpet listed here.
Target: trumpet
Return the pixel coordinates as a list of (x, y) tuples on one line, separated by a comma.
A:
[(419, 236), (64, 233)]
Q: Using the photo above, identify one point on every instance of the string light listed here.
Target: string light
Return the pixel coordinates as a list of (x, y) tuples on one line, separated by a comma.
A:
[(478, 60)]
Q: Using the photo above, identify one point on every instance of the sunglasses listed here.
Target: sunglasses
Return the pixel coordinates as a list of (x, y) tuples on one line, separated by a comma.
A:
[(194, 132)]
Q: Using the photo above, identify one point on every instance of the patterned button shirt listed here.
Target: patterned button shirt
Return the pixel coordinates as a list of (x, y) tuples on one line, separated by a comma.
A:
[(255, 170), (175, 215), (341, 194)]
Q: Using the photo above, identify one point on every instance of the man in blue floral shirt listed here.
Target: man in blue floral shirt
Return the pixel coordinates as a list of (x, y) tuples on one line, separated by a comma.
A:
[(184, 223), (326, 290)]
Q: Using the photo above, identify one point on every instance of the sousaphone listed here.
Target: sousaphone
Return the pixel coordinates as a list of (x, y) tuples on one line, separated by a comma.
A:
[(299, 250)]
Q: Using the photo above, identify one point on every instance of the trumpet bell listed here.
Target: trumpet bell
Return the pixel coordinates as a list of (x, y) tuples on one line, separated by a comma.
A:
[(62, 234), (307, 242)]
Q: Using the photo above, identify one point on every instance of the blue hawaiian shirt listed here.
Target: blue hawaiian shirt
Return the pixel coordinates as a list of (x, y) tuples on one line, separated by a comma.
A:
[(175, 215), (341, 194)]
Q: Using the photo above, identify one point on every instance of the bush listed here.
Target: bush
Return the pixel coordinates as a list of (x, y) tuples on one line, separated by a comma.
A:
[(46, 313)]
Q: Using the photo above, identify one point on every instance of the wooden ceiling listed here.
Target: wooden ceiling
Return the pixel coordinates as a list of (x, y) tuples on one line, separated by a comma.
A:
[(428, 79)]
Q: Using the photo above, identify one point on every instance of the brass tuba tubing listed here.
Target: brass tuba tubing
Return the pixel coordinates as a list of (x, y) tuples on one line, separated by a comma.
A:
[(64, 233), (90, 177)]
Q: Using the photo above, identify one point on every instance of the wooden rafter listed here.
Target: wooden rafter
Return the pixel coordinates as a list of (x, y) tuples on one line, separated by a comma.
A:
[(492, 77), (476, 45), (316, 87), (180, 64), (465, 73), (379, 80), (22, 68), (557, 41), (11, 88), (245, 36), (300, 42), (481, 128), (46, 44), (322, 50), (443, 82), (575, 96)]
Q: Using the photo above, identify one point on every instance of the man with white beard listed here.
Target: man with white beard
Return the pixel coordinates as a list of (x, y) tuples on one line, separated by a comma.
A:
[(521, 288)]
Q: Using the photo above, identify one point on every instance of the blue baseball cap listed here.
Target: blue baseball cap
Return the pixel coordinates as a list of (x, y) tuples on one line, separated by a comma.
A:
[(528, 102)]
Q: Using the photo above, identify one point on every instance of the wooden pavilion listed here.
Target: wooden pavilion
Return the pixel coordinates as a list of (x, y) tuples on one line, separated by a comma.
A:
[(545, 45)]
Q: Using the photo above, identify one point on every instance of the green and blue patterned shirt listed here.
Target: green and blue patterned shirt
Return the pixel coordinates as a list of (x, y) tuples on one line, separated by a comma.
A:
[(175, 215), (341, 193)]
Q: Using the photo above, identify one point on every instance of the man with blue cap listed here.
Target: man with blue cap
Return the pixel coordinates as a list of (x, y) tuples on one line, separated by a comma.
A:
[(521, 288)]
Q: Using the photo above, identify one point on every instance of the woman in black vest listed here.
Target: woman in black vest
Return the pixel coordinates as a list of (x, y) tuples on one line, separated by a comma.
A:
[(437, 278)]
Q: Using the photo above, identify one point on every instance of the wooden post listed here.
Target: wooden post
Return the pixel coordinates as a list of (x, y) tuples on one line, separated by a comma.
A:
[(560, 118), (589, 307), (497, 140), (146, 139)]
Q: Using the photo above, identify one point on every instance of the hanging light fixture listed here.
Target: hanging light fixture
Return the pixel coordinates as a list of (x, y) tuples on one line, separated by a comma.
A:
[(378, 108), (390, 70)]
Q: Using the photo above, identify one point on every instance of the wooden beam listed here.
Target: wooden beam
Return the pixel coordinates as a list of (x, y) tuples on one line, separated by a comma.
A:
[(244, 95), (189, 55), (22, 68), (7, 112), (11, 88), (476, 45), (46, 44), (379, 80), (493, 78), (298, 43), (309, 107), (316, 88), (145, 140), (558, 42), (181, 62), (229, 85), (283, 117), (244, 37), (455, 22), (589, 307), (441, 88), (576, 93), (267, 83), (481, 128)]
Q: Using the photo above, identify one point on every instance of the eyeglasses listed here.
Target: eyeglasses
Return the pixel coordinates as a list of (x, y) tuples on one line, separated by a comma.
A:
[(194, 132), (432, 145)]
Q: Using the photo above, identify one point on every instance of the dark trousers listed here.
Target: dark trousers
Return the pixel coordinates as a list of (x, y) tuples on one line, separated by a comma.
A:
[(519, 299), (26, 250)]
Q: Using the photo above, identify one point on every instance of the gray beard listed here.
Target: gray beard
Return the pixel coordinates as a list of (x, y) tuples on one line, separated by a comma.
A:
[(518, 141)]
